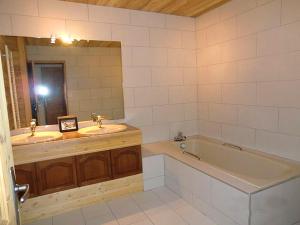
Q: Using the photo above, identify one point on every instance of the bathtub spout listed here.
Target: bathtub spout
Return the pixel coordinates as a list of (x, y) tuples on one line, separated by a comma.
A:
[(233, 146)]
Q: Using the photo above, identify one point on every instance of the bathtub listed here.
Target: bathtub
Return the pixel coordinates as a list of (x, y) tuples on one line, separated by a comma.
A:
[(229, 185), (260, 170)]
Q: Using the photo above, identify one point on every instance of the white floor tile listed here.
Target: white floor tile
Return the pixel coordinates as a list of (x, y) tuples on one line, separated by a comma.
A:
[(193, 216), (47, 221), (73, 217), (160, 206)]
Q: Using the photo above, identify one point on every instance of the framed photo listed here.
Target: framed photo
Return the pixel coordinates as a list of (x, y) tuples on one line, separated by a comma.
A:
[(67, 123)]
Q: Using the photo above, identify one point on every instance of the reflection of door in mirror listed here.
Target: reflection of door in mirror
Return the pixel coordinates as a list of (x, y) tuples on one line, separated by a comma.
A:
[(48, 85)]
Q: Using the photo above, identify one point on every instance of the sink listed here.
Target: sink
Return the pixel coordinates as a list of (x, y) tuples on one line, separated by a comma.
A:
[(39, 136), (105, 129)]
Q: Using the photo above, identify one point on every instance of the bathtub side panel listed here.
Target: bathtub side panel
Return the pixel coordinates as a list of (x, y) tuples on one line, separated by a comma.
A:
[(278, 205), (222, 203)]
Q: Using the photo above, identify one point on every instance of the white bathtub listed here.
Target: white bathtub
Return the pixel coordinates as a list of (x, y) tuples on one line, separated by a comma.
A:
[(260, 170), (231, 186)]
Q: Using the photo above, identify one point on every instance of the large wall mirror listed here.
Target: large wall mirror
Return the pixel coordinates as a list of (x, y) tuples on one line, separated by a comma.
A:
[(46, 78)]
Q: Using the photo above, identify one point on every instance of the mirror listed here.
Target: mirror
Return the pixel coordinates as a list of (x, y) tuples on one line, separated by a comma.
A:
[(47, 77)]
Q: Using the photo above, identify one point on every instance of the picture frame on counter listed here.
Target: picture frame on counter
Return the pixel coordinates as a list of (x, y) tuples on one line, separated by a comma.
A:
[(67, 123)]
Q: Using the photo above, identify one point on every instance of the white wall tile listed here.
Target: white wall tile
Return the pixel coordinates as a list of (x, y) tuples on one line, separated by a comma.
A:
[(155, 133), (244, 94), (223, 31), (148, 19), (164, 76), (258, 20), (210, 129), (89, 30), (289, 121), (109, 14), (210, 18), (180, 23), (142, 56), (139, 116), (209, 56), (149, 96), (278, 144), (209, 93), (188, 40), (284, 93), (37, 27), (190, 111), (5, 25), (182, 94), (165, 38), (20, 7), (242, 48), (265, 118), (128, 97), (188, 128), (290, 11), (168, 113), (279, 40), (62, 10), (203, 111), (223, 113), (131, 35), (137, 76), (238, 135)]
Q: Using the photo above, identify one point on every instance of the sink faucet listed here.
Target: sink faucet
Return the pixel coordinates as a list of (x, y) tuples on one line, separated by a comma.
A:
[(33, 126), (179, 137), (98, 119)]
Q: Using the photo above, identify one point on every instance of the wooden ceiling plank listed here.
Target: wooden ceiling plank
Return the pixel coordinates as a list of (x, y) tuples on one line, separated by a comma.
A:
[(190, 8)]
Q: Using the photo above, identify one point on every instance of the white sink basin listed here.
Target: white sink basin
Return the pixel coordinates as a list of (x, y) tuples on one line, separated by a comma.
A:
[(41, 136), (105, 129)]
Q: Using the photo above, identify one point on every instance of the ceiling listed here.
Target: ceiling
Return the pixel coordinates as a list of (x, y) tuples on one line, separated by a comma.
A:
[(191, 8)]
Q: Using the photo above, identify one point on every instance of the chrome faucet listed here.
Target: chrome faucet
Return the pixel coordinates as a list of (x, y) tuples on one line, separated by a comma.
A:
[(180, 137), (98, 119), (33, 126)]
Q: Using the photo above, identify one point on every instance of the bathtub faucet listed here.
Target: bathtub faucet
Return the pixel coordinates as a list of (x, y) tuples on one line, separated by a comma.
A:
[(179, 137)]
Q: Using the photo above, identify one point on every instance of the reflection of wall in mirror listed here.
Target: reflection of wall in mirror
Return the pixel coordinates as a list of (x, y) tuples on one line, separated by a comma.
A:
[(93, 77)]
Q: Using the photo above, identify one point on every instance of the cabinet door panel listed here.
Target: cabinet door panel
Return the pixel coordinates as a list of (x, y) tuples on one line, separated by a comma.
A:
[(56, 175), (126, 161), (93, 168), (26, 174)]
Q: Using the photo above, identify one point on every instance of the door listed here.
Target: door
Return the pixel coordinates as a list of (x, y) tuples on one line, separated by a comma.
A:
[(48, 83), (126, 161), (93, 168), (8, 213), (56, 175)]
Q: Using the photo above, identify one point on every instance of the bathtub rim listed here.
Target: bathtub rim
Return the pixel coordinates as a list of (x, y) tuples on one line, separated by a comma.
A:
[(167, 148)]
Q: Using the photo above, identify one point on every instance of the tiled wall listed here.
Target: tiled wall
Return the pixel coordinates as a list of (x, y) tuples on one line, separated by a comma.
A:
[(248, 57), (158, 56), (93, 78)]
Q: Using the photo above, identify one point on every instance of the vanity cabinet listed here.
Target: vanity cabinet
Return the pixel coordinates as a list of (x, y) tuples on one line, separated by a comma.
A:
[(56, 175), (26, 174), (93, 168), (45, 177), (126, 161)]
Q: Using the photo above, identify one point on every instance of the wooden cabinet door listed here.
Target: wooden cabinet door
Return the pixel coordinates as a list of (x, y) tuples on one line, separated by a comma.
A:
[(93, 168), (26, 174), (126, 161), (56, 175)]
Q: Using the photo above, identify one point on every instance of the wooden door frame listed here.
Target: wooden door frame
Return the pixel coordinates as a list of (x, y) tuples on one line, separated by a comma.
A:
[(7, 206)]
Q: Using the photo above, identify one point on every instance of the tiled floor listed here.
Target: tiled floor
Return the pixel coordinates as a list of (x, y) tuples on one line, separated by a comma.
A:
[(157, 207)]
